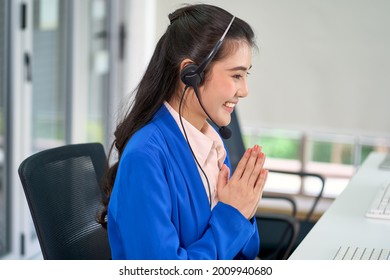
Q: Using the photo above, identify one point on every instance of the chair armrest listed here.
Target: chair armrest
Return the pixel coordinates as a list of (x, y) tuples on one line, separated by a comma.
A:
[(288, 199), (306, 174)]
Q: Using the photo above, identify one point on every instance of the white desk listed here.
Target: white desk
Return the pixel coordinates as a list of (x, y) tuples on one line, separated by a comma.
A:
[(344, 223)]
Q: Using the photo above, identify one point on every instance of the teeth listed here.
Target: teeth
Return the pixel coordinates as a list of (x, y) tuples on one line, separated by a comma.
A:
[(230, 104)]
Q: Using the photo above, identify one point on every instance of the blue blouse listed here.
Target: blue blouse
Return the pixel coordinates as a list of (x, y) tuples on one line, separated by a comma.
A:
[(159, 207)]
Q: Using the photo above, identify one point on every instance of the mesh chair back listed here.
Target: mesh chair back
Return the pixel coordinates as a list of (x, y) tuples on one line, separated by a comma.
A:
[(62, 187), (278, 235)]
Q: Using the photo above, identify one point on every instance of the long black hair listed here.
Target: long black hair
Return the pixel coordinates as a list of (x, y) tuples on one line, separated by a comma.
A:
[(192, 34)]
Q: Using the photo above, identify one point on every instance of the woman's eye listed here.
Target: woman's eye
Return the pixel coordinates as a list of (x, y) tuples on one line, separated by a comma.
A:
[(239, 76)]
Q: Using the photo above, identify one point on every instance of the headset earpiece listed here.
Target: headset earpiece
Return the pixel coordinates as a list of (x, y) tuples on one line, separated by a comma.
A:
[(190, 77)]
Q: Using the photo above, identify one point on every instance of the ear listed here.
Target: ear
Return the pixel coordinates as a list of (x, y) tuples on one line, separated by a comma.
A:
[(185, 62)]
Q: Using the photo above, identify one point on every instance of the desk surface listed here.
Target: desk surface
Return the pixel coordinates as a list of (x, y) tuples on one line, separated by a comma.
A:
[(344, 223)]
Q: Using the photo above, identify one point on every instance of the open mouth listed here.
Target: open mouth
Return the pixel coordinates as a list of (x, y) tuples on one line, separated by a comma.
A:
[(230, 104)]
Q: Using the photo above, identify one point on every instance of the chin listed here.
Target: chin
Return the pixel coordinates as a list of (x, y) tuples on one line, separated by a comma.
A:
[(225, 121)]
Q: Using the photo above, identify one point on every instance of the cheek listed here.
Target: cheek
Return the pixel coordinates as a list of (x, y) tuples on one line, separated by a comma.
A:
[(226, 88), (219, 90)]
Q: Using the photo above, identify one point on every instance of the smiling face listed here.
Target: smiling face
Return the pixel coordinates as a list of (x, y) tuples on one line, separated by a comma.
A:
[(224, 85)]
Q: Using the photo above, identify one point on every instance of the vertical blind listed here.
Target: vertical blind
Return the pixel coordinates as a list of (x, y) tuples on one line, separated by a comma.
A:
[(3, 191)]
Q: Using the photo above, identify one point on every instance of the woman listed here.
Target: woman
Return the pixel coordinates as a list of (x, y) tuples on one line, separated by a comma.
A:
[(170, 194)]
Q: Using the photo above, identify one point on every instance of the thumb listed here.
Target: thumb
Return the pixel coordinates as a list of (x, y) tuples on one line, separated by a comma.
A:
[(223, 177)]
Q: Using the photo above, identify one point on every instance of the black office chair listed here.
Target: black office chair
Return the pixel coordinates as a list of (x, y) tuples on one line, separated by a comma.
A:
[(62, 187), (278, 235), (308, 222), (281, 235)]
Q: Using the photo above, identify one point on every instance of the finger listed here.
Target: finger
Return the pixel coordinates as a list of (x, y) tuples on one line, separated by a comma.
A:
[(260, 184), (223, 177), (259, 190), (251, 163), (256, 170), (242, 164)]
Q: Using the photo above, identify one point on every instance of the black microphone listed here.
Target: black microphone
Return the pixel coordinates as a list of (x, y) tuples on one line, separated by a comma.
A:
[(224, 131)]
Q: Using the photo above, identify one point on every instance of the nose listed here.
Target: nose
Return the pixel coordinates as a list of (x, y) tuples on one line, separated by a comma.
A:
[(243, 90)]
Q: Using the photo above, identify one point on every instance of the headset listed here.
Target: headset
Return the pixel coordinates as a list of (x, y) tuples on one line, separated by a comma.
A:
[(192, 75)]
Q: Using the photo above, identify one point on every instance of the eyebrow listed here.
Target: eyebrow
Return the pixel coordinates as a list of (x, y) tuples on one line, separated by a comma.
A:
[(240, 68)]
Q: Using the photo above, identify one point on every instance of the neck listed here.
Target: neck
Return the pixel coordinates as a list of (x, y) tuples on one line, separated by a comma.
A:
[(190, 109)]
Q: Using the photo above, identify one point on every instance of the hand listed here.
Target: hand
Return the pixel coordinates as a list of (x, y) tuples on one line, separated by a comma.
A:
[(244, 189)]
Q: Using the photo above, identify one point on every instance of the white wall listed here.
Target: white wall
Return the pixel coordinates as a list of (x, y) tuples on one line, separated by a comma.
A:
[(322, 65)]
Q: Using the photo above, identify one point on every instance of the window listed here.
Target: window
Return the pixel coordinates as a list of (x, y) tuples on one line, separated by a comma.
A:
[(99, 70), (56, 87), (49, 74), (334, 156), (283, 151)]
